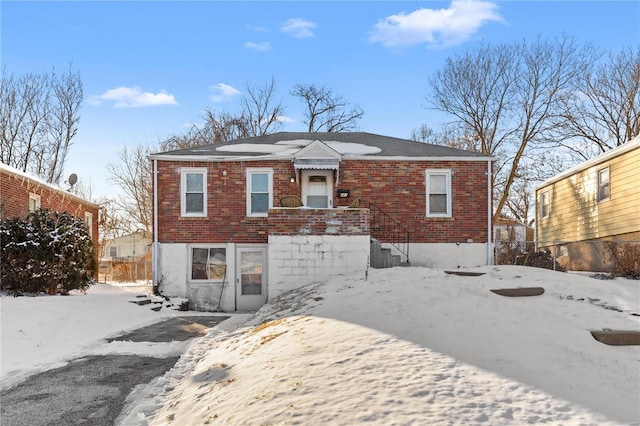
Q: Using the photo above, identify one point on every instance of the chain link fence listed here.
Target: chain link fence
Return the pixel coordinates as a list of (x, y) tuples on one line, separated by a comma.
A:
[(126, 269), (620, 258)]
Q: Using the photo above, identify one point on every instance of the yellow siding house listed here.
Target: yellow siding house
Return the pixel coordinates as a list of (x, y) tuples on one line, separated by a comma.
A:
[(596, 201)]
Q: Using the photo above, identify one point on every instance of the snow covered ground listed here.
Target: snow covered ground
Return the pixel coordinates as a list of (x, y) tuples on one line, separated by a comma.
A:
[(44, 332), (407, 345)]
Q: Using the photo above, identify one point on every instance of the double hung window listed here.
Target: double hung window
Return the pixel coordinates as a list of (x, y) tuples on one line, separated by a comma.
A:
[(604, 187), (544, 204), (34, 202), (438, 193), (259, 191), (193, 192)]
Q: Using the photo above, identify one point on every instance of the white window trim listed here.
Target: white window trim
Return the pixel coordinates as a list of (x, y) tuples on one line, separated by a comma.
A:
[(548, 192), (190, 264), (37, 199), (599, 186), (88, 220), (249, 172), (447, 173), (183, 191)]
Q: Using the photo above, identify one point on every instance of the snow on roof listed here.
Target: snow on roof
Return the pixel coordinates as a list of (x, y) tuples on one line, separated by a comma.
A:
[(290, 147), (19, 173), (256, 147), (358, 145)]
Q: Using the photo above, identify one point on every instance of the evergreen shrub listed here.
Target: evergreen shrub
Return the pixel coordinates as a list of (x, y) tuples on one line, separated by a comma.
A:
[(47, 252)]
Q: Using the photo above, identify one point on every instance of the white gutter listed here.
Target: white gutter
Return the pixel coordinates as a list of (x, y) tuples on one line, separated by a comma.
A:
[(489, 214), (218, 158), (155, 225)]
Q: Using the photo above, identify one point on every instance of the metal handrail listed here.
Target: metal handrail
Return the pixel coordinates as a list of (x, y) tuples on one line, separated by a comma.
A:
[(388, 230)]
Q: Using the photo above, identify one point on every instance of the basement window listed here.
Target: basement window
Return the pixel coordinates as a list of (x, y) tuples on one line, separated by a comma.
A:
[(208, 263)]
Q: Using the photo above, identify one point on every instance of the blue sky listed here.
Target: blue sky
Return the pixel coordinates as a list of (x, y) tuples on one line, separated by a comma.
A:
[(149, 69)]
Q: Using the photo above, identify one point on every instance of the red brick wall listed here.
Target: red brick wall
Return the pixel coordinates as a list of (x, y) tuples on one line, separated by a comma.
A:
[(14, 200), (397, 187), (318, 222)]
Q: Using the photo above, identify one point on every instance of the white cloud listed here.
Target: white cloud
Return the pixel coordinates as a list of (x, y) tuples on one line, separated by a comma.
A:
[(223, 92), (133, 97), (285, 119), (435, 27), (298, 28), (257, 29), (259, 47)]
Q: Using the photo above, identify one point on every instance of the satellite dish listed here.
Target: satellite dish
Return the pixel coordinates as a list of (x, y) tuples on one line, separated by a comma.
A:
[(73, 178)]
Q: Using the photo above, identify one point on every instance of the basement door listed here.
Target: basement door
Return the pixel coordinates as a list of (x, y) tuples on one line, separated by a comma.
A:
[(317, 188), (251, 278)]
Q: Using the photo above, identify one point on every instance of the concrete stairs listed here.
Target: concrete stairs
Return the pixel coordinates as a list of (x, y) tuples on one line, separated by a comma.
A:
[(383, 257)]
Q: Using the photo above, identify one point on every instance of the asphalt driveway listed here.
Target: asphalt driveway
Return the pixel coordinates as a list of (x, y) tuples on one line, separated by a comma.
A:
[(92, 390)]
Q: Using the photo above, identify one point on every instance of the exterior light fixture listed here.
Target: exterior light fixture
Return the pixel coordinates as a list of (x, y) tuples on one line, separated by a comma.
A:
[(292, 179)]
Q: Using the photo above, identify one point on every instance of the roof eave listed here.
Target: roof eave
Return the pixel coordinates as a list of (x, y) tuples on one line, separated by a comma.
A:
[(606, 156), (219, 159)]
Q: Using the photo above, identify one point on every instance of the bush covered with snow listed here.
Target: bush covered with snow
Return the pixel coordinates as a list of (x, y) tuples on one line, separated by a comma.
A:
[(47, 252)]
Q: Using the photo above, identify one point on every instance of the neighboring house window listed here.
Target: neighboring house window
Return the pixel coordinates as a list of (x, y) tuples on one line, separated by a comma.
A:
[(34, 202), (113, 251), (208, 263), (604, 188), (544, 204), (259, 191), (438, 193), (88, 220), (193, 193)]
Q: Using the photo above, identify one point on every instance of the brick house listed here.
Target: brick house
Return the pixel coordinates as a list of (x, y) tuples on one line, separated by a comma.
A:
[(21, 194), (226, 236)]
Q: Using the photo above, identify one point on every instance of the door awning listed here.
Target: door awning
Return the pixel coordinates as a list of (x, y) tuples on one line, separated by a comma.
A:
[(318, 164)]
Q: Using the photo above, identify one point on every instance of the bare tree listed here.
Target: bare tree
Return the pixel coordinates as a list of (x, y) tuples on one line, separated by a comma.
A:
[(39, 115), (326, 111), (449, 135), (133, 174), (604, 110), (509, 97), (217, 127), (261, 112), (62, 121), (23, 103)]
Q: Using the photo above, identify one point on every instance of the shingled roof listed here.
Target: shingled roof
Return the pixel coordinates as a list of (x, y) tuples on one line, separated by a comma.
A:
[(349, 144)]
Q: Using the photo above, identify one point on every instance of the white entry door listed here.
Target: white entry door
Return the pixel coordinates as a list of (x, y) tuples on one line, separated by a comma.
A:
[(317, 188), (251, 278)]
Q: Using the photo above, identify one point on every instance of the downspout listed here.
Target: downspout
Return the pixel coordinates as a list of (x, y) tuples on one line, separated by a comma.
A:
[(489, 213), (155, 248)]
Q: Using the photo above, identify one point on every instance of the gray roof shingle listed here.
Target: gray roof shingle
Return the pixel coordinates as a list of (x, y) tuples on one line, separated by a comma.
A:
[(388, 146)]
